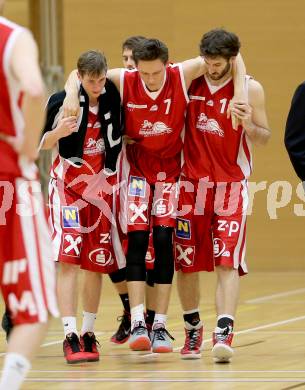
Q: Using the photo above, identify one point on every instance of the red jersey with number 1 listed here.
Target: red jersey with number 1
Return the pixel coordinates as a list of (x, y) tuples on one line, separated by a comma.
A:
[(155, 122), (211, 146)]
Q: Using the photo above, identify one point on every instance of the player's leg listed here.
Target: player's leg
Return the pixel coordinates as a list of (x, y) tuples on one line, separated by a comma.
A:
[(138, 205), (118, 279), (193, 253), (136, 275), (28, 280), (65, 221), (229, 251), (150, 281), (91, 293), (164, 271)]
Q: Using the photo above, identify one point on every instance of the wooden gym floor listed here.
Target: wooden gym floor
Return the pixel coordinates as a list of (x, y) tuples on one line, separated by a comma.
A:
[(269, 345)]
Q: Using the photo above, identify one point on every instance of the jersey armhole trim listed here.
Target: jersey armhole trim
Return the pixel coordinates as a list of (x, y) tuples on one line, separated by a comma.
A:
[(183, 82)]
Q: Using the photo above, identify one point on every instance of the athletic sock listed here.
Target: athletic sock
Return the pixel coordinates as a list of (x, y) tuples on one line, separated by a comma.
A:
[(137, 315), (69, 324), (88, 322), (14, 371), (192, 319), (125, 302)]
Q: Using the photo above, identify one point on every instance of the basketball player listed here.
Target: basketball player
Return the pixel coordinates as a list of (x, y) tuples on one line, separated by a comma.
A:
[(295, 132), (213, 200), (119, 277), (28, 274), (80, 198), (154, 98)]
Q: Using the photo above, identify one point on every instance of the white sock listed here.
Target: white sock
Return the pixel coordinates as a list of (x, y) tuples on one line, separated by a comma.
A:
[(159, 321), (14, 371), (88, 322), (137, 314), (69, 324)]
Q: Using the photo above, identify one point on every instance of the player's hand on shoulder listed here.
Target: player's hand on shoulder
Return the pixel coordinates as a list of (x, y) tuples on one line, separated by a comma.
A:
[(66, 126)]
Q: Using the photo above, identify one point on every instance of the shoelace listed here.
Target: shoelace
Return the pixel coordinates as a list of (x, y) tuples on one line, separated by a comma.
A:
[(89, 341), (223, 335), (160, 334), (74, 343), (192, 340), (140, 328)]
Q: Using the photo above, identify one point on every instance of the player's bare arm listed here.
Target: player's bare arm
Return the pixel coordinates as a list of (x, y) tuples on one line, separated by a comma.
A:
[(25, 68), (71, 102), (253, 115), (64, 128)]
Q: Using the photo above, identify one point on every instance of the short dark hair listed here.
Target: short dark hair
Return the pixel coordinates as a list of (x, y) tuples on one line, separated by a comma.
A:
[(92, 62), (132, 42), (219, 42), (149, 50)]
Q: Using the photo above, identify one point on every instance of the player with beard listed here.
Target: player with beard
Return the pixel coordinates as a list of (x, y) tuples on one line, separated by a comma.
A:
[(213, 200)]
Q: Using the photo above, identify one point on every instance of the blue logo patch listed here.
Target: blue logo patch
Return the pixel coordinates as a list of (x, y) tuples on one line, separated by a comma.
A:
[(137, 186), (70, 217), (183, 228)]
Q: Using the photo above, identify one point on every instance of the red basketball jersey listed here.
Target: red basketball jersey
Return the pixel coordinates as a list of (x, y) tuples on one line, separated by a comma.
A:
[(155, 124), (92, 160), (11, 118), (211, 146)]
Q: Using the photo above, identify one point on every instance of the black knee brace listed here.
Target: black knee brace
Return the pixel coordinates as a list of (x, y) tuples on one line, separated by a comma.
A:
[(164, 257), (150, 277), (118, 276), (135, 258)]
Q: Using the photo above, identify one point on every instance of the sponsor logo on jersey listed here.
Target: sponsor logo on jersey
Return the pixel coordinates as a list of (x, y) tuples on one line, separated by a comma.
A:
[(149, 129), (220, 248), (131, 106), (101, 257), (162, 208), (71, 245), (137, 186), (209, 125), (210, 103), (70, 217), (185, 255), (154, 108), (138, 213), (93, 146), (183, 228)]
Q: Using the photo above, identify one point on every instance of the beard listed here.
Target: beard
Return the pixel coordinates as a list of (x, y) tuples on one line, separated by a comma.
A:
[(218, 76)]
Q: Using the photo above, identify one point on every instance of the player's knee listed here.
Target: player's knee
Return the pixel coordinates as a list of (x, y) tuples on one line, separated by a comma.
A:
[(118, 276), (225, 268), (164, 259), (68, 269), (150, 277), (135, 259)]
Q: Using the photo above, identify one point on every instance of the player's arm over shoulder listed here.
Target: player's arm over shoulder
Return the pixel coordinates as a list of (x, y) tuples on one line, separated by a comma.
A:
[(257, 102), (193, 68)]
